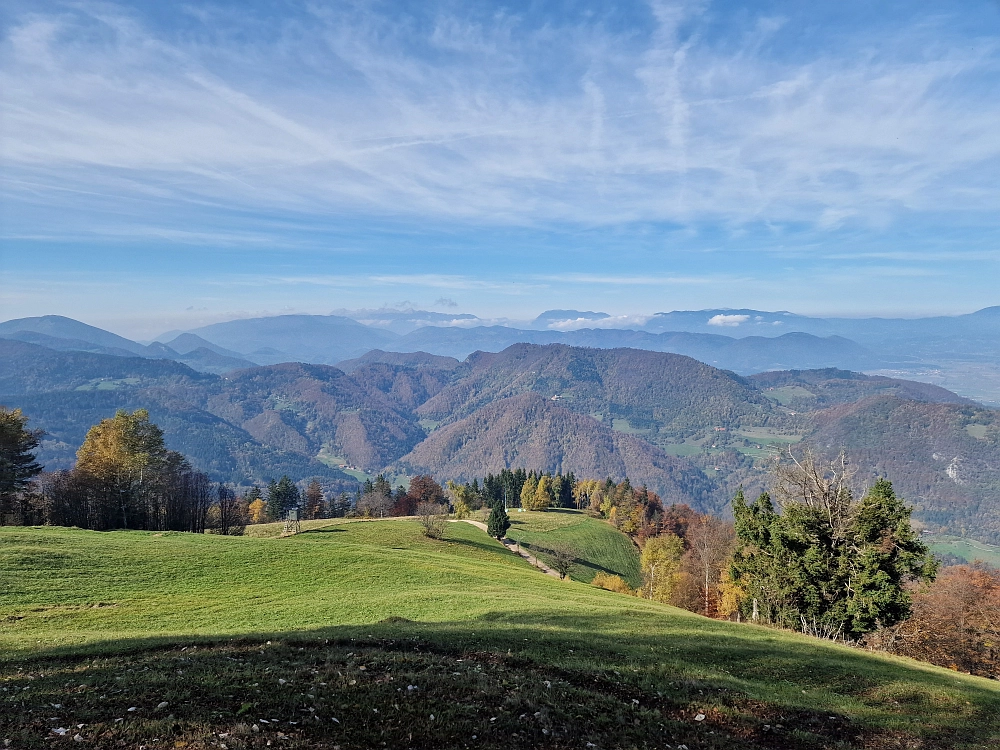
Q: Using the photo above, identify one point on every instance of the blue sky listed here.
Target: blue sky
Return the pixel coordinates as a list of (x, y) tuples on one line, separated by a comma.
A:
[(170, 164)]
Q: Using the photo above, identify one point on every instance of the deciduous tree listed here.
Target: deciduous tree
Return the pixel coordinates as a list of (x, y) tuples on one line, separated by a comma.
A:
[(314, 500), (433, 517), (660, 562)]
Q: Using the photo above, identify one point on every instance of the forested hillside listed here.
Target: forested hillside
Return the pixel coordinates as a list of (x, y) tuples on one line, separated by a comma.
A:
[(668, 394), (529, 430), (944, 458), (690, 431)]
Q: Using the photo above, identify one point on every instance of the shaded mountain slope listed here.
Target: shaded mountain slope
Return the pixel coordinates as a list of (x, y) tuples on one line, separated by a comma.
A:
[(943, 458), (204, 359), (67, 328), (30, 368), (406, 387), (189, 342), (305, 408), (225, 451), (67, 345), (813, 389), (531, 432), (401, 359)]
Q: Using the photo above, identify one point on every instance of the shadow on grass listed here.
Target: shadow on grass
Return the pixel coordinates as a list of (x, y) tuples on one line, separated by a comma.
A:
[(538, 549), (544, 680), (484, 545), (324, 530)]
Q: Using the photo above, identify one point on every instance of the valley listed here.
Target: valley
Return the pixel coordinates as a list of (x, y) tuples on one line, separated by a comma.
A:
[(690, 432)]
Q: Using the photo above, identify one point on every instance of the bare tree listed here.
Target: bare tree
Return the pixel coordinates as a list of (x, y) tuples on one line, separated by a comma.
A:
[(826, 487), (709, 541), (433, 517), (233, 516), (377, 503)]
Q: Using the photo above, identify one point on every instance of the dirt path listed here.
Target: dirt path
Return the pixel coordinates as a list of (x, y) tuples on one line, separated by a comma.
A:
[(513, 547)]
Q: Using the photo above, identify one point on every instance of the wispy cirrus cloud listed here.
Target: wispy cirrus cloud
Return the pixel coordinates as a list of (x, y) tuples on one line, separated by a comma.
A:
[(339, 110), (627, 157)]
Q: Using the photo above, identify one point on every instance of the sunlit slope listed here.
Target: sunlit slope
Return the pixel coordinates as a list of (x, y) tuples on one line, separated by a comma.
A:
[(597, 545), (422, 611)]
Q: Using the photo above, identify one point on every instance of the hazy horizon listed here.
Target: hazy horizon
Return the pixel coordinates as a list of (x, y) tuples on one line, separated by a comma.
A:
[(168, 166)]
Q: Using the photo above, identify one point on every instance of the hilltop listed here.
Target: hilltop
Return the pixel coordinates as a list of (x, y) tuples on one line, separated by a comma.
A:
[(361, 633)]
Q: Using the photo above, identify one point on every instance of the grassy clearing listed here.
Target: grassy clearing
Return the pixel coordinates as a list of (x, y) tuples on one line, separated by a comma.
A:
[(970, 549), (977, 431), (625, 426), (682, 449), (498, 655), (788, 393), (598, 545)]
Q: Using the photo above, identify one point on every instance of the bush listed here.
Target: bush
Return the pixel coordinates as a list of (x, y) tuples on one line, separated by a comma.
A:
[(610, 582), (433, 517)]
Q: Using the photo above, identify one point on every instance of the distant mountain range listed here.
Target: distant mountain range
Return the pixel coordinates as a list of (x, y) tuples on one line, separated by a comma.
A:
[(959, 352), (690, 431)]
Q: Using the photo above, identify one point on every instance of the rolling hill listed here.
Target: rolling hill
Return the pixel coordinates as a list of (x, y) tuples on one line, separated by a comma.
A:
[(306, 408), (666, 393), (355, 634), (944, 458)]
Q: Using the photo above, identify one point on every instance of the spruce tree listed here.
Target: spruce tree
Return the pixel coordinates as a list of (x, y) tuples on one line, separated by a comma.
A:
[(17, 459), (498, 522), (836, 574), (885, 553), (282, 496)]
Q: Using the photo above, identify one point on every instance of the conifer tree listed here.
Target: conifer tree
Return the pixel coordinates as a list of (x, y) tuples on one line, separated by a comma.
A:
[(498, 522), (17, 460), (282, 496), (826, 564)]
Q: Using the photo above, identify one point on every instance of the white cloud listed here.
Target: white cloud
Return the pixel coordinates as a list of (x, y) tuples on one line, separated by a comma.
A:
[(728, 321), (614, 321)]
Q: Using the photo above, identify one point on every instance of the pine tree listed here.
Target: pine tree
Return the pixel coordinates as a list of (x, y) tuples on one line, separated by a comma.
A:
[(17, 461), (282, 496), (498, 522)]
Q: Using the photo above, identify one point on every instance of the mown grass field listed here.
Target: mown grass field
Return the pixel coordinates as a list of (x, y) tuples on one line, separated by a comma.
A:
[(969, 549), (362, 635), (597, 544)]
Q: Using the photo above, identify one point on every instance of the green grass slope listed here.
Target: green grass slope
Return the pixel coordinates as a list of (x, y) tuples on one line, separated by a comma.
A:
[(597, 544), (969, 549), (360, 635)]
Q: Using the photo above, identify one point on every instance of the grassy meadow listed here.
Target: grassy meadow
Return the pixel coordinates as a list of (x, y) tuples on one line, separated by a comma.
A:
[(367, 634), (599, 547), (969, 549)]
